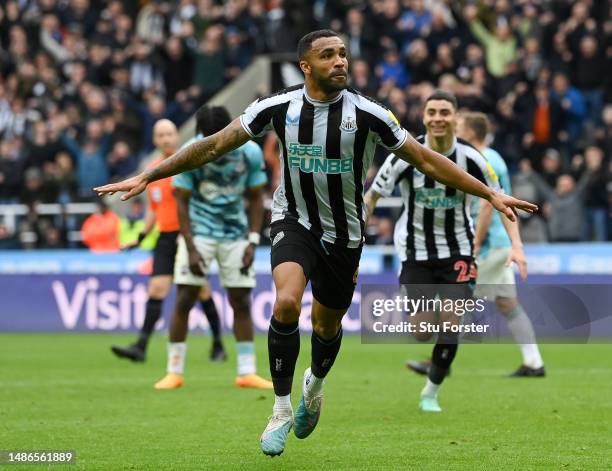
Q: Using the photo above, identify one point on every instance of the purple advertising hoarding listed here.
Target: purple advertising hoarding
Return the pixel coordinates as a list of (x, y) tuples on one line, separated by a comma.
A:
[(116, 303)]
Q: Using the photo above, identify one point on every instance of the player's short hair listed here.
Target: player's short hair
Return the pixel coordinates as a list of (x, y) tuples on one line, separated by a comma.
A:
[(443, 95), (478, 123), (211, 119), (305, 44)]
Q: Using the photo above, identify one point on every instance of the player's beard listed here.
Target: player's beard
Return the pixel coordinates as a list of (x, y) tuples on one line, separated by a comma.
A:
[(329, 86)]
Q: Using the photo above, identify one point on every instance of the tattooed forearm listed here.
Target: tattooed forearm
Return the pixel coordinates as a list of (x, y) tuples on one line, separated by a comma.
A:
[(201, 152)]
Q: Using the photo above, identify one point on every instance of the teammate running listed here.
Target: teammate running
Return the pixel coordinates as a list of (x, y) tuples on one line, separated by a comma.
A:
[(162, 210), (493, 247), (214, 227), (497, 243), (327, 135), (434, 235)]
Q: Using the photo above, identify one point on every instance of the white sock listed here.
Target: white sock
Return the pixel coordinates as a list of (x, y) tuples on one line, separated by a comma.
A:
[(312, 385), (282, 405), (522, 331), (531, 355), (430, 389), (176, 357), (246, 358)]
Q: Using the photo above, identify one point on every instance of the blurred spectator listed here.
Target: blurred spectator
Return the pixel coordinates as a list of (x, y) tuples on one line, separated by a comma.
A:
[(38, 188), (550, 166), (360, 39), (53, 238), (127, 123), (153, 110), (391, 71), (413, 23), (11, 167), (144, 71), (64, 176), (578, 24), (121, 162), (531, 59), (178, 67), (81, 14), (443, 63), (151, 21), (544, 121), (208, 13), (37, 231), (500, 46), (564, 206), (596, 201), (133, 224), (561, 58), (8, 239), (210, 63), (90, 155), (100, 231), (41, 150), (532, 227), (439, 31), (419, 61), (279, 33), (362, 79), (238, 53), (570, 100), (588, 73)]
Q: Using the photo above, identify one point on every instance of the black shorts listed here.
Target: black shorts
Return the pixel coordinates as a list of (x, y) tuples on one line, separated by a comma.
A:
[(164, 254), (331, 269), (451, 278)]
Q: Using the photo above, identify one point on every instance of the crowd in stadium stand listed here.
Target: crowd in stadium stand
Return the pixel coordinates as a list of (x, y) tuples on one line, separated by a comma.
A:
[(83, 81)]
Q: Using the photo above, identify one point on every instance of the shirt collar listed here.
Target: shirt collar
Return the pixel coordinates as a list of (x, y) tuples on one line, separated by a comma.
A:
[(323, 103), (449, 151)]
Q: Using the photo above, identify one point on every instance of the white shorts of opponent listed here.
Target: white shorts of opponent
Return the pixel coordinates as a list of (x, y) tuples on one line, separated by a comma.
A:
[(227, 253), (494, 278)]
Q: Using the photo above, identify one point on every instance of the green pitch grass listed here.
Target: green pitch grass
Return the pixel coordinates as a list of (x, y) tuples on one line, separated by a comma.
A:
[(69, 392)]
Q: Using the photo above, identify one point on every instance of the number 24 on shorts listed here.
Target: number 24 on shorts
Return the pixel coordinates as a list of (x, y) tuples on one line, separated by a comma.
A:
[(466, 272)]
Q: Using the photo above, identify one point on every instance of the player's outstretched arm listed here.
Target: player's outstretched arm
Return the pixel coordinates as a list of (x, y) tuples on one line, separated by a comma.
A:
[(255, 198), (517, 255), (196, 262), (370, 199), (195, 155), (443, 170), (485, 216)]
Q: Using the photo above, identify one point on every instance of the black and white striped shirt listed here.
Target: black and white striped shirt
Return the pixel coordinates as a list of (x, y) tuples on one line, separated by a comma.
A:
[(435, 222), (326, 151)]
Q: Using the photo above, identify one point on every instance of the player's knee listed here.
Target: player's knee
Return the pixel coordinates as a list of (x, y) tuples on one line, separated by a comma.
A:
[(185, 298), (505, 305), (326, 330), (287, 308), (159, 287), (241, 304), (205, 293), (422, 336)]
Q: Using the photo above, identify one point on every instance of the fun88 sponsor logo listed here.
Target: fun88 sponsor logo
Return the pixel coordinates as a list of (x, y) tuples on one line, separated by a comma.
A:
[(309, 159)]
